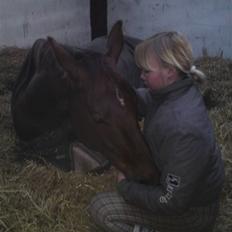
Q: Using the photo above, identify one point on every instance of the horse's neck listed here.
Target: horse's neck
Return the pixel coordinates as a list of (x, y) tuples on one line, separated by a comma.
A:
[(126, 64), (97, 45), (100, 44)]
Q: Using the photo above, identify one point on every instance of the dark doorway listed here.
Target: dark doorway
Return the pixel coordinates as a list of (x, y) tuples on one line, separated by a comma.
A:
[(98, 18)]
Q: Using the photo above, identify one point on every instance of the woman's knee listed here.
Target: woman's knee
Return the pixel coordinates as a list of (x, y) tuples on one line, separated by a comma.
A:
[(107, 211), (100, 207)]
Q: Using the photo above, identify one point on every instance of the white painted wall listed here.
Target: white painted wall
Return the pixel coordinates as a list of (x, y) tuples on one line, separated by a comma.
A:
[(206, 23), (23, 21)]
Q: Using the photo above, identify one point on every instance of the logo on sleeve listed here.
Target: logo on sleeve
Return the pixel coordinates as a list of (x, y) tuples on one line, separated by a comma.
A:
[(173, 182)]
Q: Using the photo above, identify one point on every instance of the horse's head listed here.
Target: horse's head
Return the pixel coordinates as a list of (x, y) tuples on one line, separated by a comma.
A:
[(103, 108)]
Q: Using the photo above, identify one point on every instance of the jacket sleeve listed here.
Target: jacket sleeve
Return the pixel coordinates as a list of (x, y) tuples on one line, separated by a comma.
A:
[(185, 156)]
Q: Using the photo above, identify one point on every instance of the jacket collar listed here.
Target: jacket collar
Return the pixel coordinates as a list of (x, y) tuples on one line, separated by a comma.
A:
[(174, 90)]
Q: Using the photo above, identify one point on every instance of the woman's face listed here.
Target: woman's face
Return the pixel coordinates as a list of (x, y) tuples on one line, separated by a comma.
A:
[(158, 77)]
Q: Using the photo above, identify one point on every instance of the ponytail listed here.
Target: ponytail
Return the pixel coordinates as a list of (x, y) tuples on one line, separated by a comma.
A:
[(197, 75)]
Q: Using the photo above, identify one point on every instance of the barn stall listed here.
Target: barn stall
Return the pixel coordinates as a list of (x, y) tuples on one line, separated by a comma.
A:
[(37, 196)]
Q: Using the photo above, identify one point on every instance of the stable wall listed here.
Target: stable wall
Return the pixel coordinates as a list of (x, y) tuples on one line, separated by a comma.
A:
[(23, 21), (207, 24)]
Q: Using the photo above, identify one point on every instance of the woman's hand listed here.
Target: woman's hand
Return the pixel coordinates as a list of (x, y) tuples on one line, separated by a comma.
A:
[(120, 176)]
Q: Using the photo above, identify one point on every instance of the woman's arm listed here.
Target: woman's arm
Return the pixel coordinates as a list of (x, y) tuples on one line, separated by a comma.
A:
[(186, 157)]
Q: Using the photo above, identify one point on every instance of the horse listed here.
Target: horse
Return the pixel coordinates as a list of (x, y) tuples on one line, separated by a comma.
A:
[(84, 88)]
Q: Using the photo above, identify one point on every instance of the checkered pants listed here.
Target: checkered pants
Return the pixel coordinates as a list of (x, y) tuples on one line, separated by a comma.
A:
[(113, 214)]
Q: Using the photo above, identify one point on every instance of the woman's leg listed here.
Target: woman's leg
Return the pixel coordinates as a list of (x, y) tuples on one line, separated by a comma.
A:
[(113, 214)]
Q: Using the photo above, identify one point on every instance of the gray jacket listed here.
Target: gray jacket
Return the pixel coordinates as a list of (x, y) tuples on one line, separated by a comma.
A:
[(181, 138)]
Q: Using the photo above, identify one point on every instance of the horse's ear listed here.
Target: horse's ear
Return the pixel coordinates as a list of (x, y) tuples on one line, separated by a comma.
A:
[(66, 60), (115, 41)]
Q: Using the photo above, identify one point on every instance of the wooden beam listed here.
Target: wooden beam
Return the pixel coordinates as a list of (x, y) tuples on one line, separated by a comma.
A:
[(98, 18)]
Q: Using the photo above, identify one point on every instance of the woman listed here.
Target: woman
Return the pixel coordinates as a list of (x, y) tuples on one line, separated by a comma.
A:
[(180, 136)]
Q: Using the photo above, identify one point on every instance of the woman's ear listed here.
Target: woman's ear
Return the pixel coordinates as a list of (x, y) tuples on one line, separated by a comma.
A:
[(172, 73)]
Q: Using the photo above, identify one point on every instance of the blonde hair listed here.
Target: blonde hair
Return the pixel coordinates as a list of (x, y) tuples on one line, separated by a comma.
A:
[(172, 49)]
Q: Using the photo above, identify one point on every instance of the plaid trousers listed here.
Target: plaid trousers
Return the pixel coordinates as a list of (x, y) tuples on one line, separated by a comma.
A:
[(113, 214)]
